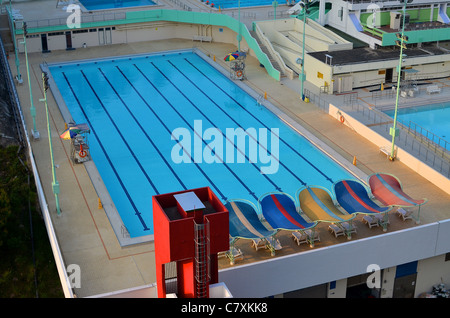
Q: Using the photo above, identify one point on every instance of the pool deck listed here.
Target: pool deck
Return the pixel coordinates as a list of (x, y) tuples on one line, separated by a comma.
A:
[(83, 229)]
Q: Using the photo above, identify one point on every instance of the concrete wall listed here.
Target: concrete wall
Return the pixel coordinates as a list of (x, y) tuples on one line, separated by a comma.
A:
[(334, 263), (132, 33)]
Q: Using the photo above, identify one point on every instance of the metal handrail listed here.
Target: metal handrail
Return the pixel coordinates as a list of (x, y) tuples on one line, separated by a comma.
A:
[(441, 142), (436, 156)]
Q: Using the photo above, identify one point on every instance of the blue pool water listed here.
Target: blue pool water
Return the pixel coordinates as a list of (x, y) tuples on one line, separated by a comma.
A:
[(434, 118), (134, 105), (114, 4), (226, 4)]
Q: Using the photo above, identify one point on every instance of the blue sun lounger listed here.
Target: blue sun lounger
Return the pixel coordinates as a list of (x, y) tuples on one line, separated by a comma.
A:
[(244, 223), (279, 210), (353, 197)]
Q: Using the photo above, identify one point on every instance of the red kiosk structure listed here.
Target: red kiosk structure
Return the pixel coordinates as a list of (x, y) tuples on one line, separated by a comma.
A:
[(190, 228)]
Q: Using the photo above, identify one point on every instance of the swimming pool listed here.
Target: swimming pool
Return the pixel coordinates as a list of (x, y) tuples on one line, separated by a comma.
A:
[(226, 4), (137, 107), (115, 4), (434, 118)]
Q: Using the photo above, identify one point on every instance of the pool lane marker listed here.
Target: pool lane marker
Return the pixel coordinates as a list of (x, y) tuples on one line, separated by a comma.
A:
[(121, 135), (207, 118), (138, 214), (171, 105), (143, 130), (162, 122), (226, 114), (224, 163), (240, 105)]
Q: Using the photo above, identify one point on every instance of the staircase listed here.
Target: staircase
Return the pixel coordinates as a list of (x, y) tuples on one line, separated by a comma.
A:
[(274, 63)]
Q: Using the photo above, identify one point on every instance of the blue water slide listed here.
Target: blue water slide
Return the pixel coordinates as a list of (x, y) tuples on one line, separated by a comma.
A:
[(443, 15), (356, 22)]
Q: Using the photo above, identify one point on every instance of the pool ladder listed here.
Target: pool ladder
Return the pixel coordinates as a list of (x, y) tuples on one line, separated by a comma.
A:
[(259, 100)]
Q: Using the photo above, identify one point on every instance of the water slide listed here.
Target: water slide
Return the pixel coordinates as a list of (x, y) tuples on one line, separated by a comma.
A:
[(443, 15), (356, 22)]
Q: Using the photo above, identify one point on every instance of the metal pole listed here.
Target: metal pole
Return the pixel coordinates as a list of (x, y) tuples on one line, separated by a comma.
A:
[(16, 53), (393, 131), (35, 133), (275, 5), (55, 184), (239, 26), (305, 10)]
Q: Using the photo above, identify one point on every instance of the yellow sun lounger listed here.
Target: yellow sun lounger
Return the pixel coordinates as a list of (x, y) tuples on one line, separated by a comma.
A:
[(318, 205)]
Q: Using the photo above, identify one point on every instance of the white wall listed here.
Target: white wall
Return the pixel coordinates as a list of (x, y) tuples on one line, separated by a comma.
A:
[(322, 265)]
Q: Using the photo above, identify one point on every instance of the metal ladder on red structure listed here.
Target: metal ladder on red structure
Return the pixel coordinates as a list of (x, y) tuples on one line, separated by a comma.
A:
[(202, 260)]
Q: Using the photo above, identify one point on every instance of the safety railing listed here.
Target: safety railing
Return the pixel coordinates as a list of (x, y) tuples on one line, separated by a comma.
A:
[(427, 136), (43, 23), (429, 152), (433, 154)]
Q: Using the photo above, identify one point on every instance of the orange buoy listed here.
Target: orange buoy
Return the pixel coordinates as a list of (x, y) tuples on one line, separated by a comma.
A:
[(82, 152), (342, 119)]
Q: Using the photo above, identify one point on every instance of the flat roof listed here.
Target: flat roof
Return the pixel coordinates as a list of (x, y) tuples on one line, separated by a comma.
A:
[(367, 55)]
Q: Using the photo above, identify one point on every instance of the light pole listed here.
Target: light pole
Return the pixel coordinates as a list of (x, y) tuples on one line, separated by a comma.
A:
[(55, 184), (239, 37), (16, 53), (304, 6), (402, 38), (34, 132), (275, 5)]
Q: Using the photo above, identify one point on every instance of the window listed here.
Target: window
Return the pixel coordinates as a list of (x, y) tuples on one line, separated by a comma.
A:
[(55, 33), (381, 72)]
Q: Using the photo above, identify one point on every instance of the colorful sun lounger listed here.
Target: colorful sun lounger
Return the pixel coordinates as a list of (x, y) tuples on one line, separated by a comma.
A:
[(280, 212), (318, 205), (387, 189), (353, 197), (244, 223)]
